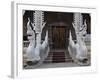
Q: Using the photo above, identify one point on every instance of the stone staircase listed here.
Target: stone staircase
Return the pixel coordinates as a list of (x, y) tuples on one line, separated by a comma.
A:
[(58, 57)]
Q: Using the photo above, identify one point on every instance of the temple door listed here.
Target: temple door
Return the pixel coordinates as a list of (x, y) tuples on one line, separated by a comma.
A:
[(58, 37)]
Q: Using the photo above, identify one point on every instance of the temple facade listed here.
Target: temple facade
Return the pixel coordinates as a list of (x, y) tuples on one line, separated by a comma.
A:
[(59, 29)]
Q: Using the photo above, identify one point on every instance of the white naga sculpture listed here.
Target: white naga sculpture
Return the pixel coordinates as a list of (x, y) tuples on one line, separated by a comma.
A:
[(36, 51), (78, 51), (32, 45)]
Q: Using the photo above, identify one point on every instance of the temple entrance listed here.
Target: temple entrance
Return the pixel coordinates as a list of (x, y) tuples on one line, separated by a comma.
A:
[(57, 43)]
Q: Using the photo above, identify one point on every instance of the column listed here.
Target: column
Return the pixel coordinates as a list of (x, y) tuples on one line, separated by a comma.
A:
[(38, 21), (78, 21)]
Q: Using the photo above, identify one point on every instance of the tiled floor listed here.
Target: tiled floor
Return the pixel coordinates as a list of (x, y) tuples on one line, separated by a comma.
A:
[(54, 65)]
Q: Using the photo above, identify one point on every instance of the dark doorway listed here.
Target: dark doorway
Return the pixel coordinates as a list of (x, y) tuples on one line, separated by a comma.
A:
[(58, 37)]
